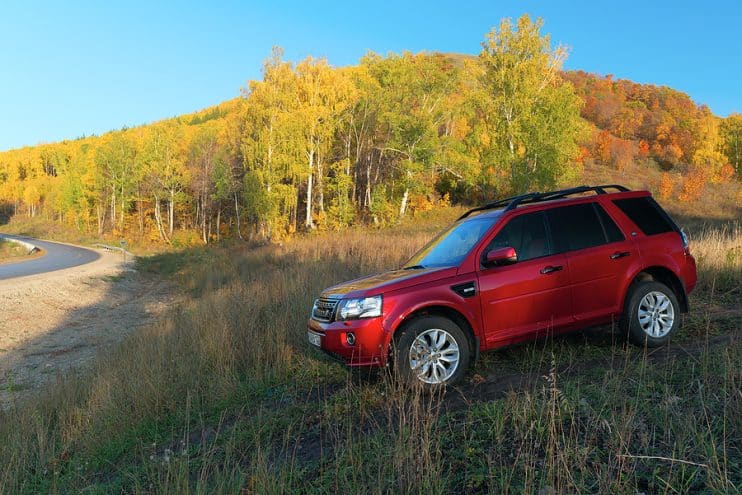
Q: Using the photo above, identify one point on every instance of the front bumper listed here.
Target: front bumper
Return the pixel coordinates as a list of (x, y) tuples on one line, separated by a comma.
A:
[(371, 340)]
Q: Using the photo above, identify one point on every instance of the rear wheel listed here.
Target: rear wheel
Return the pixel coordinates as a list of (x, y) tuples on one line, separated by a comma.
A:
[(652, 314), (432, 351)]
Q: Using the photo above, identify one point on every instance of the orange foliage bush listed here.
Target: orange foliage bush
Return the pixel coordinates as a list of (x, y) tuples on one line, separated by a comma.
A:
[(725, 173), (667, 186), (602, 148), (622, 153), (643, 149), (693, 185)]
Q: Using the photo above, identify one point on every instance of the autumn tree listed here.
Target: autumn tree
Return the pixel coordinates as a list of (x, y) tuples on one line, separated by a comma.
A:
[(163, 174), (203, 156), (116, 160), (731, 135), (272, 149), (323, 96)]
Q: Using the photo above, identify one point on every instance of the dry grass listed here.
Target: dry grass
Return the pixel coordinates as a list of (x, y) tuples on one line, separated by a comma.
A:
[(224, 395), (11, 250)]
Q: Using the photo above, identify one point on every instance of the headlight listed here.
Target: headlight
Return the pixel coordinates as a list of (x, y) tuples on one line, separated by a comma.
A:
[(368, 307)]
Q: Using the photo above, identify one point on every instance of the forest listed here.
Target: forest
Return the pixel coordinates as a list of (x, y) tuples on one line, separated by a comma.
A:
[(311, 146)]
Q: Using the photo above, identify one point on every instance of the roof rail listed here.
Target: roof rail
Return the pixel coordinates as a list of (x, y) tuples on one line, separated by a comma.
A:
[(512, 202)]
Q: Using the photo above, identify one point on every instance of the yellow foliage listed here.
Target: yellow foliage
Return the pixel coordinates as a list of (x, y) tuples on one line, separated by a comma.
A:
[(419, 203), (460, 128)]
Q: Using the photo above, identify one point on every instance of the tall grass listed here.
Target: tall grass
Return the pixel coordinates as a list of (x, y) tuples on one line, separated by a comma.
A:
[(224, 394)]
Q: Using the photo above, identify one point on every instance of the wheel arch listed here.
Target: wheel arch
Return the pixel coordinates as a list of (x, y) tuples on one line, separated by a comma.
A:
[(445, 312), (665, 276)]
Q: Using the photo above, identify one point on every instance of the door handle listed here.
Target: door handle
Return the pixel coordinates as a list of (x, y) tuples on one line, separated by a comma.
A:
[(551, 269), (620, 254)]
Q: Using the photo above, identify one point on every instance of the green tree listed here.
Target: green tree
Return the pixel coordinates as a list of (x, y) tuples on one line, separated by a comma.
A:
[(412, 96), (731, 135), (535, 114)]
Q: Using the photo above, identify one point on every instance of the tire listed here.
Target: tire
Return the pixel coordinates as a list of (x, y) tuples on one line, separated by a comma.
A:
[(436, 348), (652, 314)]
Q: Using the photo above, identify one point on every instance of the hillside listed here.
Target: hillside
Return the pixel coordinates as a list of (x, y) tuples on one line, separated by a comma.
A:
[(312, 146)]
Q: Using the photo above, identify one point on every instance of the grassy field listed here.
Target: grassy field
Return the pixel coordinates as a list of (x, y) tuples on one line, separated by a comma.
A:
[(224, 395), (10, 250)]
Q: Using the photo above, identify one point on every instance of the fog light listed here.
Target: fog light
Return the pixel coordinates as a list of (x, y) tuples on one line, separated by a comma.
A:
[(351, 338)]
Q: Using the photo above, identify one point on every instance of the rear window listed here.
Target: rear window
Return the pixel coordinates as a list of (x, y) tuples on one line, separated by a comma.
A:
[(646, 214)]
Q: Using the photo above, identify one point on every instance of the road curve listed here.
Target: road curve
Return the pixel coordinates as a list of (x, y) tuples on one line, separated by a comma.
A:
[(56, 257)]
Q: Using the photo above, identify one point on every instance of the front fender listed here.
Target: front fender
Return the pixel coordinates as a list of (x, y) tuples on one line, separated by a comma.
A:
[(404, 303)]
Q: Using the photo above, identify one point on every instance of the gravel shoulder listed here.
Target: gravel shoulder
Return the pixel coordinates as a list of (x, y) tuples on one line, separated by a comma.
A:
[(56, 322)]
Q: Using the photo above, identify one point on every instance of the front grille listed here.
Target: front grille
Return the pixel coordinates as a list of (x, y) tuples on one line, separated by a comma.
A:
[(324, 309)]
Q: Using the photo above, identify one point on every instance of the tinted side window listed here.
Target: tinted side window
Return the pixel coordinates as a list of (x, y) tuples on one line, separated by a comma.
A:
[(575, 227), (612, 232), (646, 214), (525, 233)]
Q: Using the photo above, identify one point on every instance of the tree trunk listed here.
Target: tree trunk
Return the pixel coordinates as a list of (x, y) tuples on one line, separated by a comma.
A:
[(141, 212), (403, 206), (100, 213), (171, 212), (367, 196), (237, 215), (123, 209), (309, 222), (320, 187), (203, 221), (113, 207), (158, 220)]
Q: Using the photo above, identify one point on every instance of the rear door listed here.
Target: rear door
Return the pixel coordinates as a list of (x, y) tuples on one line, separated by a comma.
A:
[(598, 256), (531, 294)]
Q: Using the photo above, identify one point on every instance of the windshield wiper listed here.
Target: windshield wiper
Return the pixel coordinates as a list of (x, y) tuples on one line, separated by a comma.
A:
[(413, 267)]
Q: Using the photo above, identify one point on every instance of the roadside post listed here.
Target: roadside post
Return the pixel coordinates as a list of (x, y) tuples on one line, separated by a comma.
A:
[(123, 249)]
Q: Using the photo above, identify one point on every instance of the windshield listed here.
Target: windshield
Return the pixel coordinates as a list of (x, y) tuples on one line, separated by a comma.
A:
[(452, 245)]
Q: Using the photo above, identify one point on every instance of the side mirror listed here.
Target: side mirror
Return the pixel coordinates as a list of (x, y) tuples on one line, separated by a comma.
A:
[(501, 256)]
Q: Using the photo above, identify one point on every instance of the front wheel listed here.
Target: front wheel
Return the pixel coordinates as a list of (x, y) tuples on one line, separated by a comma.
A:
[(432, 351), (652, 314)]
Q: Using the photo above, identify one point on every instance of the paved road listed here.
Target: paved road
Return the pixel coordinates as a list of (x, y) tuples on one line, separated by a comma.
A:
[(57, 257)]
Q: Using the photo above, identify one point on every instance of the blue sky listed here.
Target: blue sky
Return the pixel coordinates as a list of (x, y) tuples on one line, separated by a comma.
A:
[(74, 68)]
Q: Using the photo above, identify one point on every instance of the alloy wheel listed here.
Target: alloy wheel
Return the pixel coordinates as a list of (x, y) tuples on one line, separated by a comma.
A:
[(434, 356), (656, 314)]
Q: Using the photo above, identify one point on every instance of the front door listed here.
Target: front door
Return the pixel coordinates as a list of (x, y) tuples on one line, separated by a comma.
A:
[(530, 295)]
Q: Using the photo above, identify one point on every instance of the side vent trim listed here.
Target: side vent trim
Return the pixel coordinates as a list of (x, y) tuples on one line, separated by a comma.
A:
[(467, 289)]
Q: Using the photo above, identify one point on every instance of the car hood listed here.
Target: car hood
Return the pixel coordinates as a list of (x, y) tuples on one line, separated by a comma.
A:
[(387, 281)]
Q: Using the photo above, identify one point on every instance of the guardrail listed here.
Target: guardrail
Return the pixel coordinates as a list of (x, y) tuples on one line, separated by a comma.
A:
[(117, 249), (30, 247)]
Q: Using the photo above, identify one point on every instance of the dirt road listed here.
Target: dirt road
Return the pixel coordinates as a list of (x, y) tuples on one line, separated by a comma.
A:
[(53, 322)]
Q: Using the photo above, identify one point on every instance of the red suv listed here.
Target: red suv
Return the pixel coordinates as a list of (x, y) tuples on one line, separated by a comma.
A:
[(510, 271)]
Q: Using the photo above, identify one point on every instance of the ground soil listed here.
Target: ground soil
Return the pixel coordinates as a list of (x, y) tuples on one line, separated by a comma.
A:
[(55, 322)]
